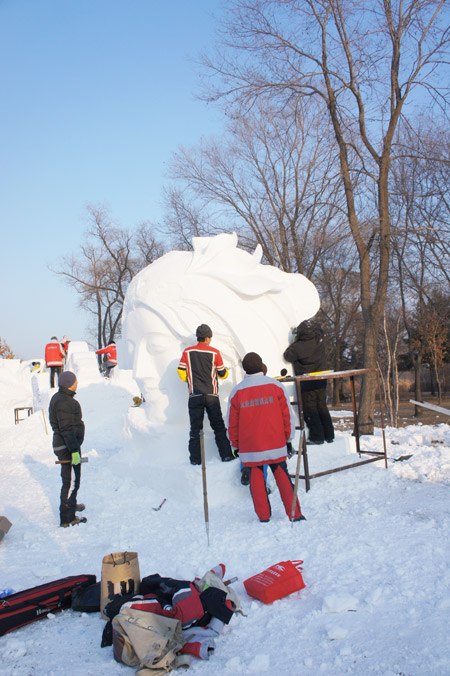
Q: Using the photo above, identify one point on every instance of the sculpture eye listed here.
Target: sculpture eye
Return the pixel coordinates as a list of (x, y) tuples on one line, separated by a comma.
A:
[(157, 342)]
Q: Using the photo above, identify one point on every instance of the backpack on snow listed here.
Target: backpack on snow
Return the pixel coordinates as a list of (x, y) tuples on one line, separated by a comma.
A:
[(30, 605)]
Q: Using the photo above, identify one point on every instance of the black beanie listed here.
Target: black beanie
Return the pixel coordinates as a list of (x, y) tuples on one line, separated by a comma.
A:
[(66, 379), (203, 331), (252, 363)]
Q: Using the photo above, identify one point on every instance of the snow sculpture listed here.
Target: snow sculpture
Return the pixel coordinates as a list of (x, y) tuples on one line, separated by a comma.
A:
[(82, 362), (249, 306)]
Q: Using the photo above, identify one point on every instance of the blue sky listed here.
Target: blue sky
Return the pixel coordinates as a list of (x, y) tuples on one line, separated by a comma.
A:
[(96, 95)]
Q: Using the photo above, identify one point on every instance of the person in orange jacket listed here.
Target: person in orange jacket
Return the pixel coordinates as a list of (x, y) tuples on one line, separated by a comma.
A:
[(110, 358), (54, 356)]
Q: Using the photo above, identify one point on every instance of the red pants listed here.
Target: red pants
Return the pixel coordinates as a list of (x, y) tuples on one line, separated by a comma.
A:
[(259, 491)]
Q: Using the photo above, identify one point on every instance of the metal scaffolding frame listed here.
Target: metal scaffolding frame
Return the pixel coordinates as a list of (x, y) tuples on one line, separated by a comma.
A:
[(303, 451)]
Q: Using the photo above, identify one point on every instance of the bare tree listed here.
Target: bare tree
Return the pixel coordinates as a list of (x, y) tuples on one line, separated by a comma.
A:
[(273, 179), (147, 246), (438, 334), (388, 364), (184, 219), (101, 271), (361, 62), (337, 280), (5, 350), (421, 236)]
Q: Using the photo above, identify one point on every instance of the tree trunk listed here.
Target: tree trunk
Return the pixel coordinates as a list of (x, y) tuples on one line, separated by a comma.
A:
[(369, 381), (418, 410)]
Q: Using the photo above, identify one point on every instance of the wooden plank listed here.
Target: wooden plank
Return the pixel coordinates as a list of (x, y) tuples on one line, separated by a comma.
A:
[(432, 407)]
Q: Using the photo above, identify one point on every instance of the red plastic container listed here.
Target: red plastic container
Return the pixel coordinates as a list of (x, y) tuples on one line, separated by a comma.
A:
[(275, 582)]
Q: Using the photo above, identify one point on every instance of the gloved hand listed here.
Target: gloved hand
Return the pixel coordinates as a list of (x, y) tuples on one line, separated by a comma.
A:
[(235, 452), (76, 458), (290, 450)]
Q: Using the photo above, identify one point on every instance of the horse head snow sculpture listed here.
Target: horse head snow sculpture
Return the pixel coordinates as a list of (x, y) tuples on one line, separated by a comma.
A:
[(249, 306)]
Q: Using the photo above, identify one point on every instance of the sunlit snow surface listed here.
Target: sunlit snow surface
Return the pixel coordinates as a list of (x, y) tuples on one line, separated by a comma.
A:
[(375, 545)]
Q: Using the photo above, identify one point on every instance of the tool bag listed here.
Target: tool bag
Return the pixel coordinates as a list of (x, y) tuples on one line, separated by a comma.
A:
[(275, 582), (29, 605), (120, 575), (86, 599)]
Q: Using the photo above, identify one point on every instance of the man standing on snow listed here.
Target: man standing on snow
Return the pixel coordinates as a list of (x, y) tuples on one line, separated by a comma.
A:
[(200, 366), (68, 434), (307, 355), (54, 356), (260, 423)]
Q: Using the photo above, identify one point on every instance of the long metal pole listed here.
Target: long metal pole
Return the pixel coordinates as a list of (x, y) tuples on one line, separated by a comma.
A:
[(45, 422), (300, 448), (297, 472), (205, 490)]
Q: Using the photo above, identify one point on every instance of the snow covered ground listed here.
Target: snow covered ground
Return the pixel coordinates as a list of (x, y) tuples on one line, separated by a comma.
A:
[(375, 546)]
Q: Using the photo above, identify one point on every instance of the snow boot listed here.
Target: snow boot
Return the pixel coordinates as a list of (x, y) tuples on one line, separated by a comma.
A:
[(75, 522), (245, 476), (80, 508)]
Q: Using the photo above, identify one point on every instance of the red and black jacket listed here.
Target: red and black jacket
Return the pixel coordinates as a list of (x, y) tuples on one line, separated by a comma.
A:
[(110, 351), (200, 366)]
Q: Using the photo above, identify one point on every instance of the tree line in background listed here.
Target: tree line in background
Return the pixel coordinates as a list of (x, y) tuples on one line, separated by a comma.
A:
[(335, 160), (5, 350)]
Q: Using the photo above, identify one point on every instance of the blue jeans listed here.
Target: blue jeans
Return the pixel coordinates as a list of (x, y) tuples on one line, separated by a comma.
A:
[(264, 470)]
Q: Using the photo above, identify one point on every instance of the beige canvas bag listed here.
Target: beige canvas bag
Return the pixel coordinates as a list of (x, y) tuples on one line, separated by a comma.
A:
[(120, 575), (148, 641)]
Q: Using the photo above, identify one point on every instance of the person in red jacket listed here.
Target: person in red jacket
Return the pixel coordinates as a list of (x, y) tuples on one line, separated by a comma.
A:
[(260, 423), (54, 356), (200, 366), (110, 358)]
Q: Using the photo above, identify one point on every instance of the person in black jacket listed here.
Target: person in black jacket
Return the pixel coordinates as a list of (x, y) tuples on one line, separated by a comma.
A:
[(68, 434), (307, 355)]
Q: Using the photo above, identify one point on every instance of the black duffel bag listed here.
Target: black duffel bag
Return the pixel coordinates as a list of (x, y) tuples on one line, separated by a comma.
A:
[(87, 599)]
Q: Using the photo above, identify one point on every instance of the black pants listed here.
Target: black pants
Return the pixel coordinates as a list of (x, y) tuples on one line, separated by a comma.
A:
[(198, 403), (68, 498), (317, 415), (54, 370)]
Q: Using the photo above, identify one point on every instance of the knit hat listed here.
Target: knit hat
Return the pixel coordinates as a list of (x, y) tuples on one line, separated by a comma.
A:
[(203, 331), (66, 379), (252, 363)]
